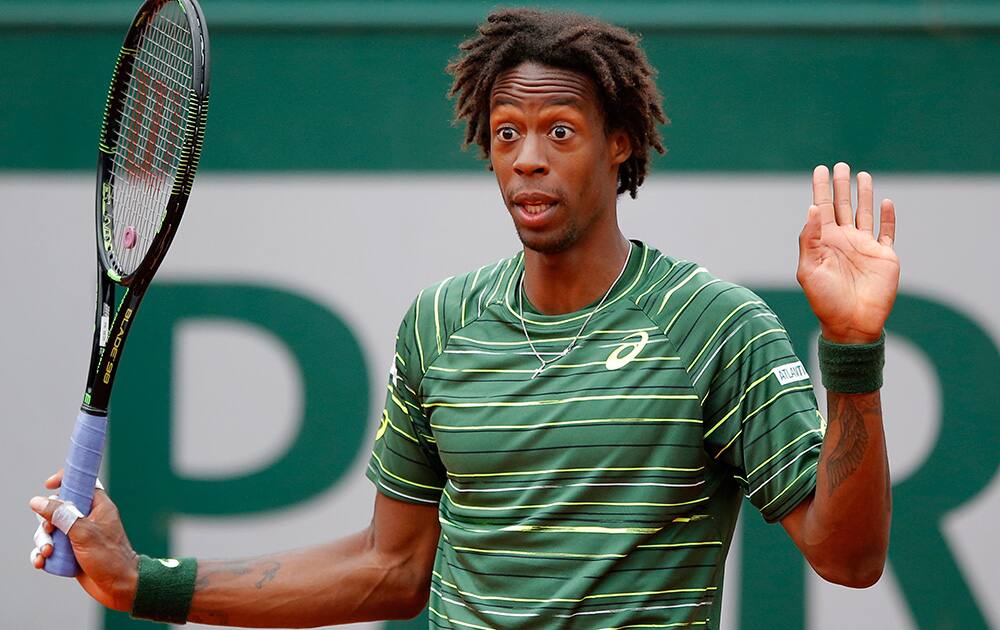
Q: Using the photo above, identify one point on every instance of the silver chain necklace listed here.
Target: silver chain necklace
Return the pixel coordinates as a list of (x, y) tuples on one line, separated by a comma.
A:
[(520, 312)]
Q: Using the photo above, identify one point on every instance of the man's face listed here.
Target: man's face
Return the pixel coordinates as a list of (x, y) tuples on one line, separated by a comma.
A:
[(556, 166)]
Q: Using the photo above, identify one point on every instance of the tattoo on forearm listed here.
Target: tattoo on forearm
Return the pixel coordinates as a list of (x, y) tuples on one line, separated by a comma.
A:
[(268, 569), (849, 412), (218, 573), (269, 573)]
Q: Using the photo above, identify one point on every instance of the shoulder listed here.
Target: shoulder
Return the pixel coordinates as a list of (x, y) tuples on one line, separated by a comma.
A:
[(687, 302), (441, 309)]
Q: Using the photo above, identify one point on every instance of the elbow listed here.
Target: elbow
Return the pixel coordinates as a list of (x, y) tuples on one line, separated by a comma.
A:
[(854, 559), (393, 596), (409, 583), (859, 570), (411, 603), (855, 576)]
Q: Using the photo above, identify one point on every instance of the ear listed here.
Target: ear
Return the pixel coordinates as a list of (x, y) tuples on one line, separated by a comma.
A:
[(619, 146)]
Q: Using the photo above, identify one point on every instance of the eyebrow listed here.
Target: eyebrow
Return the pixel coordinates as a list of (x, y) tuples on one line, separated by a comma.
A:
[(573, 101)]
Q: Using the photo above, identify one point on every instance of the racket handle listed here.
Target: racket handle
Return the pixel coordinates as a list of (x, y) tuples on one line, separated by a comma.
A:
[(82, 465)]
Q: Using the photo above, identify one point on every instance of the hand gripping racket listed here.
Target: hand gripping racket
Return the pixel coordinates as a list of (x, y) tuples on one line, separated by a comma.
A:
[(151, 137)]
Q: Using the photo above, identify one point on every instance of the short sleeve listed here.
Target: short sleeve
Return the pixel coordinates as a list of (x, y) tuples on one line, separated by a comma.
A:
[(759, 410), (404, 463)]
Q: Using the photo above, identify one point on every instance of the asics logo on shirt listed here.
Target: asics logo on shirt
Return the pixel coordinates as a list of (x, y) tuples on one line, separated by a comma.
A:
[(623, 354)]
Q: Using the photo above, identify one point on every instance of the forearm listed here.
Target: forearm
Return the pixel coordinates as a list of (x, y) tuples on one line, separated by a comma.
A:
[(850, 277), (343, 582), (846, 526)]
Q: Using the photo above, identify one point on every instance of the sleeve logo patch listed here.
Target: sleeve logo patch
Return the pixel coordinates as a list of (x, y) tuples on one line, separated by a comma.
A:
[(791, 373)]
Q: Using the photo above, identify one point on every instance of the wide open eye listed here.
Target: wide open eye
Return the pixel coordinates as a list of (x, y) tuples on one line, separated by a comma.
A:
[(561, 132), (507, 134)]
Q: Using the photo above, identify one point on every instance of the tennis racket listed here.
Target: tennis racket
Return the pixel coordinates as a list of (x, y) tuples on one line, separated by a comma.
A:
[(150, 143)]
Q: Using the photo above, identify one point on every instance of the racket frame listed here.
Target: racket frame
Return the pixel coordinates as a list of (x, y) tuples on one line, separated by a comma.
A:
[(87, 442)]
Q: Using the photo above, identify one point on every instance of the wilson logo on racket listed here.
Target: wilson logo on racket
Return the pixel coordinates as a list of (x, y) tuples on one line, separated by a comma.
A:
[(631, 349), (126, 316)]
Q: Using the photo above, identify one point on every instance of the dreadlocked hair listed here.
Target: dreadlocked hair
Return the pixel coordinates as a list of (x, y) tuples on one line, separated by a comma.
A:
[(609, 55)]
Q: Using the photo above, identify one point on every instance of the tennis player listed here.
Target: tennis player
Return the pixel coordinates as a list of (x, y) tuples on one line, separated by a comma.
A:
[(569, 433)]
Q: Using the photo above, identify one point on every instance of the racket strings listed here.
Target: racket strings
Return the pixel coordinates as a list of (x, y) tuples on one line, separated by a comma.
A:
[(179, 83), (154, 73), (150, 135), (148, 167), (171, 40), (171, 138), (175, 93), (147, 120)]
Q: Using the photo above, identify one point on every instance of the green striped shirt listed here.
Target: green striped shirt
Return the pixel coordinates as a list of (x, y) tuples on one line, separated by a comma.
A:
[(602, 493)]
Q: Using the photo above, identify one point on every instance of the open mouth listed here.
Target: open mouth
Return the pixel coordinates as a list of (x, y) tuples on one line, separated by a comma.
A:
[(535, 208), (535, 215)]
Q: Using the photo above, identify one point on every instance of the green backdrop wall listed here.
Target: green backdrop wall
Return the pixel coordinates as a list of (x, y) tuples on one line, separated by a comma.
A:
[(321, 85)]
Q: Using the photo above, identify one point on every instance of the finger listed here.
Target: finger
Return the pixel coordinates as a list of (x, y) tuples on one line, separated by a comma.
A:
[(810, 239), (865, 220), (41, 537), (37, 560), (100, 497), (55, 480), (44, 507), (812, 231), (842, 194), (66, 516), (887, 229), (810, 244), (45, 525), (46, 550), (821, 194), (62, 514)]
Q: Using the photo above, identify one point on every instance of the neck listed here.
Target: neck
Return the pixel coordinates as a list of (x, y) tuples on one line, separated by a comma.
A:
[(570, 280)]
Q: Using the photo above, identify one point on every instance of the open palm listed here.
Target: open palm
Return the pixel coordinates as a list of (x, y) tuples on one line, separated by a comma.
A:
[(849, 276)]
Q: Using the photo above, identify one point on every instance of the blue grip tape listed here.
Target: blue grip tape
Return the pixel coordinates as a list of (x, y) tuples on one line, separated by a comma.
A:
[(86, 448)]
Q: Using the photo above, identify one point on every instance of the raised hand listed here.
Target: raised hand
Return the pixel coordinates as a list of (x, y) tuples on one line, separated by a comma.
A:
[(108, 564), (849, 276)]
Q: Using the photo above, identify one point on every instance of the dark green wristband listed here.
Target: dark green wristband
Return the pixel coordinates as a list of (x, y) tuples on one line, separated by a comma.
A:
[(852, 368), (165, 589)]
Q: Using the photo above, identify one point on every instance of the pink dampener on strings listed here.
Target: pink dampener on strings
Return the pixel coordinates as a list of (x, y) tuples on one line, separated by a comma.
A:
[(131, 237)]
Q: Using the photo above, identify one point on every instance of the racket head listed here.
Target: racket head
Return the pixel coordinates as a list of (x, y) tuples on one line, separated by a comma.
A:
[(151, 137), (150, 145)]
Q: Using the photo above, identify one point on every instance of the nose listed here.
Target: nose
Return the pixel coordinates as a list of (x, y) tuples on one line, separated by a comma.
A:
[(530, 158)]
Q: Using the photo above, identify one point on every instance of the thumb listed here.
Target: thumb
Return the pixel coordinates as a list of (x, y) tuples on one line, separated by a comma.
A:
[(810, 239), (812, 232), (102, 502)]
